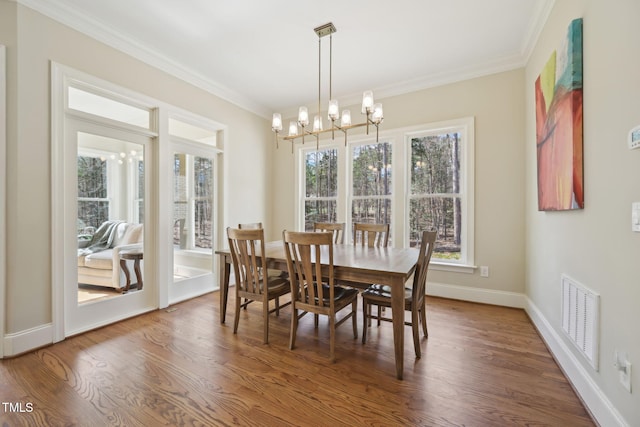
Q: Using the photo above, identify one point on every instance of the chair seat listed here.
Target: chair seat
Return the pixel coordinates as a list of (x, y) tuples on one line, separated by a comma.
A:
[(272, 274), (278, 286), (382, 294), (339, 293)]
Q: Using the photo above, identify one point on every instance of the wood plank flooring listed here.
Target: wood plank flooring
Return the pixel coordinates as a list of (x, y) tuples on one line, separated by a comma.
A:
[(481, 366)]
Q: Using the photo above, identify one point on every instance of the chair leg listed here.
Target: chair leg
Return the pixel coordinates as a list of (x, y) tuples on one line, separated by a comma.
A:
[(365, 320), (277, 306), (294, 328), (265, 321), (236, 319), (423, 316), (332, 337), (354, 317), (316, 320), (379, 314), (415, 328)]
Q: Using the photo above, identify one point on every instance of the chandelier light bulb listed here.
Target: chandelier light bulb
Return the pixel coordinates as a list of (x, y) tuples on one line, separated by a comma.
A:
[(293, 128), (346, 118), (276, 123), (317, 123), (377, 115), (334, 110), (367, 101), (303, 116)]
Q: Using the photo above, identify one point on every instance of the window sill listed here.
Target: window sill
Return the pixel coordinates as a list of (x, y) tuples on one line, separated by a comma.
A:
[(453, 268)]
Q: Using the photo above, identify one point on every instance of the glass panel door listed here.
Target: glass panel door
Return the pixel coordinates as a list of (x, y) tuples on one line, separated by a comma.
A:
[(193, 223), (107, 280)]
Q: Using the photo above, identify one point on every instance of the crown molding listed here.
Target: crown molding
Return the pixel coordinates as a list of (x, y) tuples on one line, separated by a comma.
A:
[(80, 22), (96, 30), (540, 15)]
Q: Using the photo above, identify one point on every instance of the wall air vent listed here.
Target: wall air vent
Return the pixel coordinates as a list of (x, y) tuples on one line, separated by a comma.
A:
[(580, 318)]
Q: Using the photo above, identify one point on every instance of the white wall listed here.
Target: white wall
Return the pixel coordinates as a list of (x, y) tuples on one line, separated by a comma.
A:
[(594, 246), (32, 42), (497, 103)]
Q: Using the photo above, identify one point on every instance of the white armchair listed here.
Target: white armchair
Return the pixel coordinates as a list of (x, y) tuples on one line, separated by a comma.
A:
[(99, 264)]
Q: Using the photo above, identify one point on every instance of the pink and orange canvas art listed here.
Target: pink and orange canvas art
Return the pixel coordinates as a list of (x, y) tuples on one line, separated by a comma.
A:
[(558, 93)]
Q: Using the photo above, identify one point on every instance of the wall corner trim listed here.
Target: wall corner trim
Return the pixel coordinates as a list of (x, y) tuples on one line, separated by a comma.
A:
[(592, 396), (479, 295), (27, 340)]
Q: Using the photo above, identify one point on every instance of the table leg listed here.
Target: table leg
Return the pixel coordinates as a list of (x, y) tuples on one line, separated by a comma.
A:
[(397, 314), (136, 268), (125, 269), (225, 272)]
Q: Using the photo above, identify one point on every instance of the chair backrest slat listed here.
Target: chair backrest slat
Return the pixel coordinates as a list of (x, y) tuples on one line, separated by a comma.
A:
[(371, 235), (304, 260), (337, 228), (420, 276), (247, 255)]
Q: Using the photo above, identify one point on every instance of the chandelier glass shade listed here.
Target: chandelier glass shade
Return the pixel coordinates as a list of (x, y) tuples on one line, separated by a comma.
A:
[(340, 121)]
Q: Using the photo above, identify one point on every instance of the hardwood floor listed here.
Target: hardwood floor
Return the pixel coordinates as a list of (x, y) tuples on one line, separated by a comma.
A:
[(481, 366)]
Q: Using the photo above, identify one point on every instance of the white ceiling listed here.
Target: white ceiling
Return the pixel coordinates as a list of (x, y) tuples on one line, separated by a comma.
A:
[(263, 54)]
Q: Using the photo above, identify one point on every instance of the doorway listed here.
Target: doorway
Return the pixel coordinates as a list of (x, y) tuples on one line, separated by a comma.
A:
[(108, 229), (194, 207)]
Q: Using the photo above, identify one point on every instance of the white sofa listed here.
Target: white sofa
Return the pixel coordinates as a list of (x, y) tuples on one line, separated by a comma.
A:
[(99, 263)]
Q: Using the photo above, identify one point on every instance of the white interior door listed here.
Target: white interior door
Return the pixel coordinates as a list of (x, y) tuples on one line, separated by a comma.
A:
[(108, 192)]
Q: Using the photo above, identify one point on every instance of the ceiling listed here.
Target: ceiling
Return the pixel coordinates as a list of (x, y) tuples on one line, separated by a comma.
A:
[(263, 55)]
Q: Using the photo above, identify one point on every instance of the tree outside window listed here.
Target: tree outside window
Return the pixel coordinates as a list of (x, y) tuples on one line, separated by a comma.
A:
[(436, 197), (93, 202), (193, 190), (321, 187), (371, 184)]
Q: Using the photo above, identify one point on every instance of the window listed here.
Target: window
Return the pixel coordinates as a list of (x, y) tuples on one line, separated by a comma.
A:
[(102, 106), (93, 201), (440, 192), (414, 179), (193, 201), (371, 184), (138, 198), (320, 187)]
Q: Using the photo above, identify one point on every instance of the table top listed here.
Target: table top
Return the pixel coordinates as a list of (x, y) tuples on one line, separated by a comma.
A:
[(348, 259)]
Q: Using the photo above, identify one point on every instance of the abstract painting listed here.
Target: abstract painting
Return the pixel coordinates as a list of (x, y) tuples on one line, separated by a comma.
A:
[(558, 93)]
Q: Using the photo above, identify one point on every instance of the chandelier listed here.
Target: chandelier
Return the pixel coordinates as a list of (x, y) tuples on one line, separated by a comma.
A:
[(300, 128)]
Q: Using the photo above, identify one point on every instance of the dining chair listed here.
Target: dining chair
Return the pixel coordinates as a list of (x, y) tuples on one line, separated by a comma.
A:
[(247, 255), (309, 292), (414, 296), (371, 235), (337, 228), (270, 271)]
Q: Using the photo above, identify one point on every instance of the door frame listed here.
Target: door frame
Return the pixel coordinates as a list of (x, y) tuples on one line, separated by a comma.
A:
[(3, 191), (64, 266), (82, 317), (198, 286)]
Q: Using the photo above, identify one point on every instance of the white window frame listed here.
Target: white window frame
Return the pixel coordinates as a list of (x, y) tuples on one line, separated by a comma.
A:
[(464, 126), (399, 139), (349, 191), (84, 152), (301, 155)]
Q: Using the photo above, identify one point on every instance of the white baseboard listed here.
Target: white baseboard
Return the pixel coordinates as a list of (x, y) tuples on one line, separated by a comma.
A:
[(593, 397), (24, 341), (485, 296)]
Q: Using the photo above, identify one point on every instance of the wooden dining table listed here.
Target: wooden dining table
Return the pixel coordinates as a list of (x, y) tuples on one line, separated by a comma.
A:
[(353, 263)]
